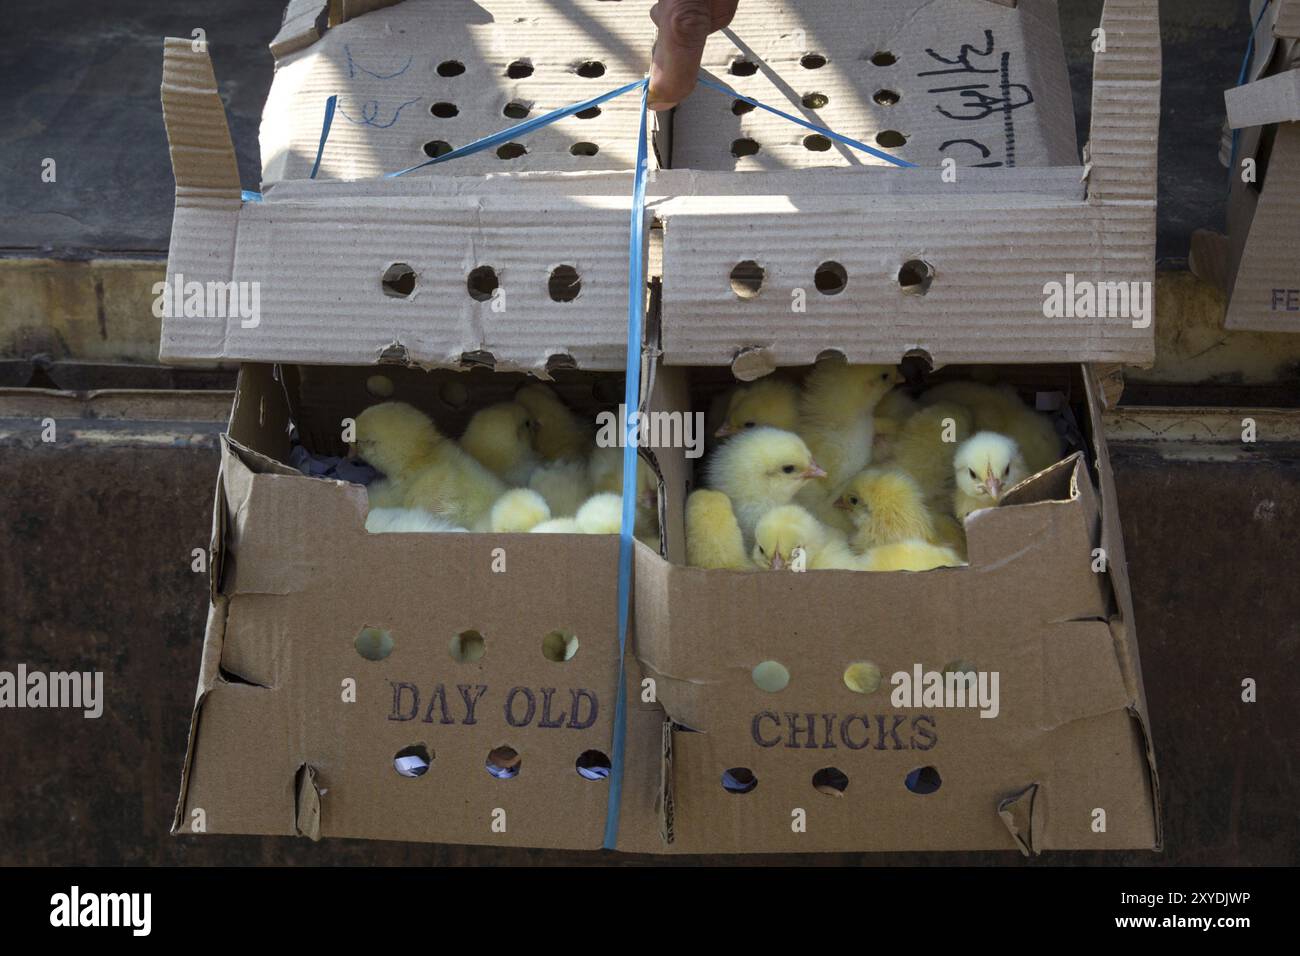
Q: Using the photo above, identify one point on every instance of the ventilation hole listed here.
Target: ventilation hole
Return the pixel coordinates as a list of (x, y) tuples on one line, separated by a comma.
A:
[(412, 761), (590, 112), (886, 97), (437, 147), (831, 781), (815, 101), (747, 279), (739, 780), (516, 110), (467, 647), (770, 676), (915, 277), (744, 147), (482, 282), (812, 61), (924, 780), (564, 284), (511, 150), (817, 143), (373, 643), (520, 69), (830, 278), (883, 58), (740, 107), (559, 646), (504, 763), (444, 110), (398, 281), (593, 765), (584, 149), (451, 68), (862, 677), (742, 67), (890, 139), (591, 69), (380, 386), (454, 394)]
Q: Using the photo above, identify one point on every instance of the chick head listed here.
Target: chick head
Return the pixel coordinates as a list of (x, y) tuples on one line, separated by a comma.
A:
[(770, 401), (500, 435), (601, 514), (393, 436), (780, 533), (876, 488), (860, 385), (520, 509), (987, 464), (769, 463)]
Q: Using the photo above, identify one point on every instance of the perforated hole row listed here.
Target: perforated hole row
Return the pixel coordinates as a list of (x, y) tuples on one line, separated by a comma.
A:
[(564, 284), (915, 276), (813, 142), (831, 781), (523, 68), (861, 677), (503, 762), (375, 643)]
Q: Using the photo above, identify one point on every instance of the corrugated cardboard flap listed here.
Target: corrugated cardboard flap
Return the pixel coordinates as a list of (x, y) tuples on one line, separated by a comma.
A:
[(1274, 99)]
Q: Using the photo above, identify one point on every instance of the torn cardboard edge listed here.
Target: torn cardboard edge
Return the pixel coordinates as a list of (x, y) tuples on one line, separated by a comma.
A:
[(306, 21), (209, 674), (1274, 99)]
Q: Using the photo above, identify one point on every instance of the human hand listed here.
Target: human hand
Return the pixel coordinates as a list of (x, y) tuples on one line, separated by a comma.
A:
[(683, 25)]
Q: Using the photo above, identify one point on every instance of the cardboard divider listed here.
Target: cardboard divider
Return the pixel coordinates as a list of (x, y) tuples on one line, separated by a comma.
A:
[(1031, 606)]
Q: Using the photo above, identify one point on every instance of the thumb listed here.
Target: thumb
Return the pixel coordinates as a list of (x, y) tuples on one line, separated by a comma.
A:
[(684, 26)]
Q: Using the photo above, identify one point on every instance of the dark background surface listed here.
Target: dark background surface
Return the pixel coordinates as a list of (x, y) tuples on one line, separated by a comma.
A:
[(81, 85)]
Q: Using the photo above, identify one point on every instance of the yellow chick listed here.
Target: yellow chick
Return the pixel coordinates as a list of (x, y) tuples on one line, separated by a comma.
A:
[(926, 445), (786, 531), (713, 538), (406, 521), (949, 533), (564, 484), (886, 505), (560, 434), (384, 493), (556, 526), (600, 514), (999, 409), (894, 409), (431, 471), (761, 469), (605, 469), (985, 467), (518, 510), (500, 437), (837, 420), (769, 401), (909, 556)]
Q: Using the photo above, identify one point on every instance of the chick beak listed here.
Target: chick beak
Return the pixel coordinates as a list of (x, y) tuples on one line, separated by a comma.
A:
[(994, 485), (724, 431), (813, 471), (778, 563)]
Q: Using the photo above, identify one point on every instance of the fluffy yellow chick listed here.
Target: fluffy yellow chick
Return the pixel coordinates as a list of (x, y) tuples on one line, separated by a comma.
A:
[(788, 528), (560, 434), (605, 469), (600, 514), (406, 521), (713, 538), (894, 409), (886, 505), (999, 409), (837, 420), (431, 471), (518, 510), (985, 467), (500, 437), (926, 445), (909, 556), (564, 484), (769, 401), (557, 526), (761, 469), (384, 493)]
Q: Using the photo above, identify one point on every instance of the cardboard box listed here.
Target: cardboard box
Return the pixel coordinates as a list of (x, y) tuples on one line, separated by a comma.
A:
[(1066, 762), (296, 733), (958, 270), (1258, 264)]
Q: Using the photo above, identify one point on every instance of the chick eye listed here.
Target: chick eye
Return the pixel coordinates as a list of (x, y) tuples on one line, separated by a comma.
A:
[(884, 376), (1006, 471), (971, 471), (750, 424), (853, 500), (762, 551), (789, 469)]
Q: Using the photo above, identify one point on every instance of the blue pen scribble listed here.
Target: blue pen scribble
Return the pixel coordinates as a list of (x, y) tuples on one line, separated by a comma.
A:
[(370, 114), (353, 66)]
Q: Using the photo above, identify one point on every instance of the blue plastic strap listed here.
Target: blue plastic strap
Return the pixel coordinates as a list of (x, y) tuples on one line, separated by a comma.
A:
[(520, 129), (247, 195), (1241, 80), (330, 104), (631, 401), (838, 137)]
